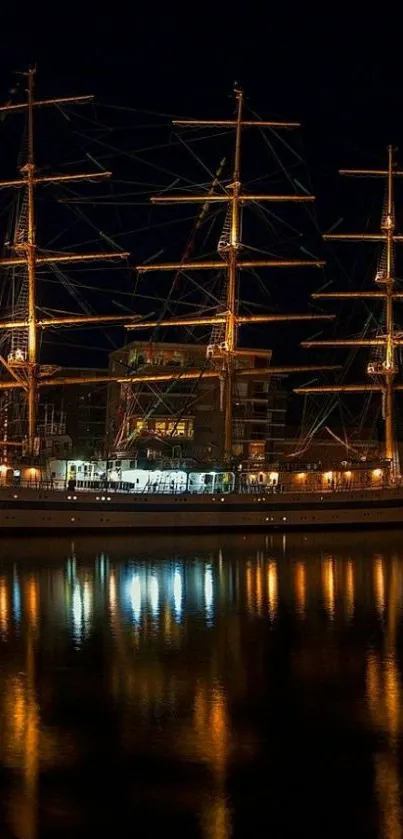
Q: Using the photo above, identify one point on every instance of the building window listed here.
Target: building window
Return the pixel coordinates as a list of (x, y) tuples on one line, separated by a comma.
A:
[(260, 387), (174, 428), (241, 389), (139, 425), (257, 450)]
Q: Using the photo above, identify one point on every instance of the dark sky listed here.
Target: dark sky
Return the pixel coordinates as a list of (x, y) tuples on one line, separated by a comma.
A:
[(335, 67), (327, 64)]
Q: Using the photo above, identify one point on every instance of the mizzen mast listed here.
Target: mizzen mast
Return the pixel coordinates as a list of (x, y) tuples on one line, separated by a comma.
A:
[(234, 197), (382, 372)]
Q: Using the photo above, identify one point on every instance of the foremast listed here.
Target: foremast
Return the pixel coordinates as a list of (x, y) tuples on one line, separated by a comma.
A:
[(383, 373), (233, 195), (26, 372)]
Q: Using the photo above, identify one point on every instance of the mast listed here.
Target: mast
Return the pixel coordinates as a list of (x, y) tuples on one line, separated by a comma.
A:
[(234, 197), (232, 253), (27, 373), (382, 373), (28, 171), (390, 369)]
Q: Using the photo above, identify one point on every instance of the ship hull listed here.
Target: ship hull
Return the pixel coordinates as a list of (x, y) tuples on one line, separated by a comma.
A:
[(32, 510)]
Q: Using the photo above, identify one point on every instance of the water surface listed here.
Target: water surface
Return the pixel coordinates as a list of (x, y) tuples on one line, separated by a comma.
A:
[(208, 687)]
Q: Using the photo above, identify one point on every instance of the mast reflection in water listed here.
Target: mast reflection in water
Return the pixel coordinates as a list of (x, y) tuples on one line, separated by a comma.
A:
[(216, 686)]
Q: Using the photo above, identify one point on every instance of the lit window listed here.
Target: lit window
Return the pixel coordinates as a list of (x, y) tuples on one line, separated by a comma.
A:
[(256, 450)]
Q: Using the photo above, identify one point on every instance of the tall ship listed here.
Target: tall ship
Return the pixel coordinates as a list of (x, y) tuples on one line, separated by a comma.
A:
[(221, 488)]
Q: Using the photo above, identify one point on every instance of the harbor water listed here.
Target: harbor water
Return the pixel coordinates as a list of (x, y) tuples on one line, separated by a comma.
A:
[(212, 687)]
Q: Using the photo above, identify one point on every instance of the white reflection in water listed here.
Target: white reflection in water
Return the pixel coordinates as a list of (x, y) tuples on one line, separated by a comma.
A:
[(112, 593), (87, 606), (71, 568), (208, 592), (101, 568), (154, 594), (135, 594), (77, 612), (178, 589), (16, 599)]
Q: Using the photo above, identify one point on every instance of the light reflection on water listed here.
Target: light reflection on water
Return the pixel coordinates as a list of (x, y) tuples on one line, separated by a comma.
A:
[(212, 684)]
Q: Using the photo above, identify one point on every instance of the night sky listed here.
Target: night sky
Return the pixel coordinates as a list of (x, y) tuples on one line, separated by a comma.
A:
[(329, 67)]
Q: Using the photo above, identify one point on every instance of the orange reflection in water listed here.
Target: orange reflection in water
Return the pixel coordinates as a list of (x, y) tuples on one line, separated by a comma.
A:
[(249, 592), (328, 585), (383, 691), (379, 583), (216, 817), (272, 589), (387, 786), (383, 696), (259, 589), (4, 608), (20, 746), (350, 588), (300, 587), (212, 741), (32, 601), (211, 728)]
